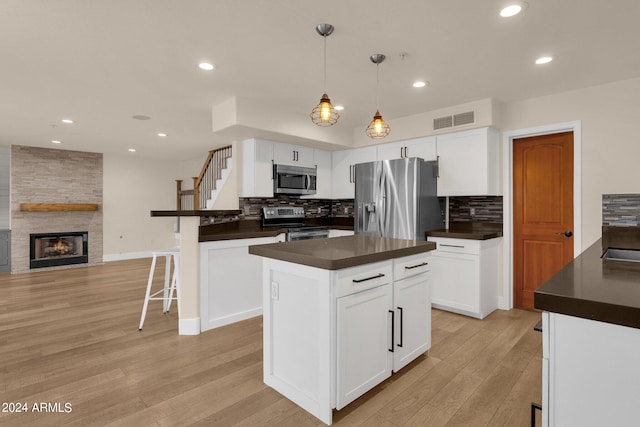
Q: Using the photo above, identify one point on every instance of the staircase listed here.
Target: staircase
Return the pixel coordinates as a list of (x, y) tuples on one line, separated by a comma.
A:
[(207, 185)]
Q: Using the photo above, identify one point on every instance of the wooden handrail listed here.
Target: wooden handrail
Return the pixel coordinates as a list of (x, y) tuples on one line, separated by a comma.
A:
[(205, 178)]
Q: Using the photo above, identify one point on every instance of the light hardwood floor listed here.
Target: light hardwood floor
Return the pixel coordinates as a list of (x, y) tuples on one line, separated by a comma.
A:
[(71, 336)]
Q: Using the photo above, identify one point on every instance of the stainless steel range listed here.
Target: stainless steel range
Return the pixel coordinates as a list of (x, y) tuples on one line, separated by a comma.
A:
[(292, 218)]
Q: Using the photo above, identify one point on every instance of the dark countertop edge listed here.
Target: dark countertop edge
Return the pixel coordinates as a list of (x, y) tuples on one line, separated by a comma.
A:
[(549, 296), (252, 228), (196, 213), (340, 264), (463, 235), (470, 230), (591, 310), (272, 232)]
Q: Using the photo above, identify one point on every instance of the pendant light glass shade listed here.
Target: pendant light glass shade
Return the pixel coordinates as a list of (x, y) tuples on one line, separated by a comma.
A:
[(378, 128), (324, 114)]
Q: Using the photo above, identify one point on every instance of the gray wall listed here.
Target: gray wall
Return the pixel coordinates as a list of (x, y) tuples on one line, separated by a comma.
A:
[(5, 174)]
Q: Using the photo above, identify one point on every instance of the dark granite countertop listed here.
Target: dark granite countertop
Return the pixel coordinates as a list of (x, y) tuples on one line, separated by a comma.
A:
[(196, 213), (252, 228), (588, 287), (342, 252), (469, 230)]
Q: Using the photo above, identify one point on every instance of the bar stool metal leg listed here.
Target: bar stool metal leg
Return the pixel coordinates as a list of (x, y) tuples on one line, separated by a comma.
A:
[(146, 298), (166, 303)]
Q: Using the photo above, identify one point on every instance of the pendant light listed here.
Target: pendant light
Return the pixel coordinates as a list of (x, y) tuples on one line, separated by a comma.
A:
[(378, 128), (324, 114)]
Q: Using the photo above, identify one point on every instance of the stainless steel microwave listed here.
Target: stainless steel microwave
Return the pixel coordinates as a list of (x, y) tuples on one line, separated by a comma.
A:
[(289, 179)]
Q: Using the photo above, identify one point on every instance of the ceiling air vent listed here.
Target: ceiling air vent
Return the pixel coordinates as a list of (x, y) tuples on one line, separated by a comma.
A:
[(442, 122), (464, 118)]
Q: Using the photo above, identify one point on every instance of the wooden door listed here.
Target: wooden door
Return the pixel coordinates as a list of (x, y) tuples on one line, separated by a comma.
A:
[(542, 211)]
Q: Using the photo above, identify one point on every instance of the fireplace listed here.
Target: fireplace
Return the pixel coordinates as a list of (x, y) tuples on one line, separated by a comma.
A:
[(54, 249)]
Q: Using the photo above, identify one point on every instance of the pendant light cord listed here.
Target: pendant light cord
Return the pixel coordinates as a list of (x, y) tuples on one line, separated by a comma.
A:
[(325, 64), (377, 87)]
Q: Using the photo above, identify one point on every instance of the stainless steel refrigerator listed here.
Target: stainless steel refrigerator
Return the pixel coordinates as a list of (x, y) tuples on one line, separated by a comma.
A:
[(397, 198)]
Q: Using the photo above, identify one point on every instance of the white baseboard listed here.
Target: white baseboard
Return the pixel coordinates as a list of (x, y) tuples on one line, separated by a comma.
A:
[(189, 326), (232, 318), (503, 303), (126, 256)]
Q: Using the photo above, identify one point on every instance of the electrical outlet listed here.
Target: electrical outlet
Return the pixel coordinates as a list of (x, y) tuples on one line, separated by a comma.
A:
[(472, 211), (275, 291)]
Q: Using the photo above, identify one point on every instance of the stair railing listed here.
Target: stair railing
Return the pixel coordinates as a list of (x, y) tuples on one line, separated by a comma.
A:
[(204, 183)]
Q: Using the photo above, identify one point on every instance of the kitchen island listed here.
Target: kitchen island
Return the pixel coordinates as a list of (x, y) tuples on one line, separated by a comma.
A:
[(591, 339), (342, 314)]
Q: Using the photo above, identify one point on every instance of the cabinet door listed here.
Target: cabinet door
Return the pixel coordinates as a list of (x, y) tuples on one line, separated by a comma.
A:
[(342, 175), (324, 175), (469, 163), (425, 148), (286, 154), (257, 168), (364, 155), (456, 281), (391, 151), (412, 305), (363, 342)]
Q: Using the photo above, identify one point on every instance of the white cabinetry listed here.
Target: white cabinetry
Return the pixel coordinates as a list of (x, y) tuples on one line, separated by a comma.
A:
[(230, 281), (364, 340), (330, 336), (425, 148), (343, 170), (285, 154), (412, 309), (469, 163), (465, 275), (590, 372), (323, 175), (257, 168)]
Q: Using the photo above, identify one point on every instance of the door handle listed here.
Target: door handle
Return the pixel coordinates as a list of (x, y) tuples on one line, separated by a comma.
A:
[(567, 233)]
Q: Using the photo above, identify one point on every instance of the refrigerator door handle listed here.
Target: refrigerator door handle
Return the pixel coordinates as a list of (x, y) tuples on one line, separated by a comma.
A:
[(382, 211)]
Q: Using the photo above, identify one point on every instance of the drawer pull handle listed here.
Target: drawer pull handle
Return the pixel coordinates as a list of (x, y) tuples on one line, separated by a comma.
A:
[(452, 246), (377, 276), (415, 266)]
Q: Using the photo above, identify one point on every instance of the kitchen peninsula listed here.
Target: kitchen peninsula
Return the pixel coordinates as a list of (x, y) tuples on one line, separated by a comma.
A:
[(591, 338), (342, 314)]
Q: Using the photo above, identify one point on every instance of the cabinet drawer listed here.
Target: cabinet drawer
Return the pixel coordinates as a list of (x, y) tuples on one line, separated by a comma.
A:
[(410, 266), (357, 279), (462, 246)]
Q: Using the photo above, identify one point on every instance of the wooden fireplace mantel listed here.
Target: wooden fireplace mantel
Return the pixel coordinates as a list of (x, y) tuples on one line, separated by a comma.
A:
[(58, 207)]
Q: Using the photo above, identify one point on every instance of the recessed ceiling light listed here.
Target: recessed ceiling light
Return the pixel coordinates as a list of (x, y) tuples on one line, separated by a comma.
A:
[(133, 150), (67, 121), (513, 9), (206, 66), (339, 107), (55, 141), (420, 84), (141, 117), (544, 60), (162, 135)]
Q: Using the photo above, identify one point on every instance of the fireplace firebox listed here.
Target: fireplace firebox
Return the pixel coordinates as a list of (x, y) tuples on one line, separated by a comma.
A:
[(54, 249)]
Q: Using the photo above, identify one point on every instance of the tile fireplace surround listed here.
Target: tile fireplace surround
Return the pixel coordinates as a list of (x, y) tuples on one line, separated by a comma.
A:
[(41, 175)]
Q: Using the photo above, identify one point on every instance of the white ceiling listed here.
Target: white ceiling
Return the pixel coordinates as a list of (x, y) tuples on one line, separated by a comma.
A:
[(100, 62)]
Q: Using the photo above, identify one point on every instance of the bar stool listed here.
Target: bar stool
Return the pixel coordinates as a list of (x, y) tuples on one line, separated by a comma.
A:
[(169, 287)]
